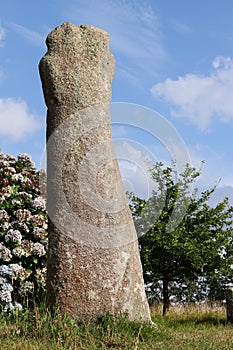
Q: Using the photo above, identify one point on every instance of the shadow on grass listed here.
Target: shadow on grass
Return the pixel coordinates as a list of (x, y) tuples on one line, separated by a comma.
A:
[(192, 320), (203, 320), (208, 319)]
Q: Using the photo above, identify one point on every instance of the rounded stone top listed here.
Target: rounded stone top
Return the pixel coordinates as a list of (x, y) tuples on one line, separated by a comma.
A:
[(78, 68), (68, 32)]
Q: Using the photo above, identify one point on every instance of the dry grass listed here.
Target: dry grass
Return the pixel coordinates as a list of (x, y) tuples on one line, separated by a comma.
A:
[(188, 328), (187, 309)]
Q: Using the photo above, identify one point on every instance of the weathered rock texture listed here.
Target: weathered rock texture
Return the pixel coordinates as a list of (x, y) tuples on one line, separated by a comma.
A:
[(93, 261)]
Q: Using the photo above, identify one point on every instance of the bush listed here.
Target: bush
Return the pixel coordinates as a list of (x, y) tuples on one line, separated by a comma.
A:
[(23, 233)]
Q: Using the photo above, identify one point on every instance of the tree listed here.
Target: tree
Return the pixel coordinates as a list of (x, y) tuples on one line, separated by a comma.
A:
[(181, 237)]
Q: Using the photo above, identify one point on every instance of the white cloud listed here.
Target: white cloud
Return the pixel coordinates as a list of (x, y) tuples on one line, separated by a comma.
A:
[(216, 170), (133, 28), (29, 35), (181, 27), (2, 74), (15, 120), (220, 193), (200, 153), (201, 98), (135, 160), (2, 35)]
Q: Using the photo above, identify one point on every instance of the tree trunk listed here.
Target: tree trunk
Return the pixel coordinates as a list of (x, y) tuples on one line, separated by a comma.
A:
[(166, 302), (229, 304)]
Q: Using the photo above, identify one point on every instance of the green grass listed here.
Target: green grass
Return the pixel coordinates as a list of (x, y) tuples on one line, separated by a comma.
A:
[(189, 328)]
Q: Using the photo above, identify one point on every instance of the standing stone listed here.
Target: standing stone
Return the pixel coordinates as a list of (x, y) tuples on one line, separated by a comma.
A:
[(93, 258)]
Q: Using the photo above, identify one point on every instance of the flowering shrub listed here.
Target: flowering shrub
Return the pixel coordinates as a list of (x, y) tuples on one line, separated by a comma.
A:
[(23, 233)]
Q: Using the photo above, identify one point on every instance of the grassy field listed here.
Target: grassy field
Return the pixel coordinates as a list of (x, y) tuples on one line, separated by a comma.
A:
[(198, 328)]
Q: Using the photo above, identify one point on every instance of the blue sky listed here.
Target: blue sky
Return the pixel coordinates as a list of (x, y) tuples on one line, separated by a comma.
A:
[(173, 57)]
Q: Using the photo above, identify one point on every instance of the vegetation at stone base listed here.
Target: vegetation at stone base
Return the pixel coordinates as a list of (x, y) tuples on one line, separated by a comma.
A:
[(190, 329), (183, 241), (23, 238)]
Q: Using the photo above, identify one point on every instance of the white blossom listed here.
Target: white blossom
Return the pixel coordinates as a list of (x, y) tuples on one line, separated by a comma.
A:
[(2, 198), (23, 214), (26, 160), (38, 249), (4, 163), (8, 190), (3, 280), (22, 179), (16, 202), (17, 306), (39, 220), (5, 253), (5, 292), (39, 203), (17, 178), (12, 271), (9, 306), (9, 170), (7, 286), (4, 270), (11, 159), (39, 232), (23, 226), (27, 182), (27, 246), (26, 288), (19, 252), (41, 274), (21, 230), (24, 194), (4, 215), (13, 236), (5, 226)]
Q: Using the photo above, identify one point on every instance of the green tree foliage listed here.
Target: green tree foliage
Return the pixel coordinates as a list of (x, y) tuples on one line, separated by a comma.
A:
[(181, 237)]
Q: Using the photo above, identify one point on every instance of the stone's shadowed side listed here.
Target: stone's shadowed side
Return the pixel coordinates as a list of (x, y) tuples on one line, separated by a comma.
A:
[(93, 260)]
